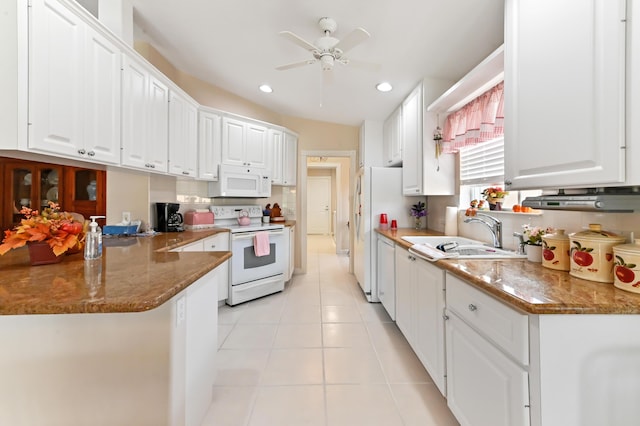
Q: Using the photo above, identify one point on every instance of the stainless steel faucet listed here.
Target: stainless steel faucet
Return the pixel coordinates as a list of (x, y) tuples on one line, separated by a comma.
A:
[(494, 225), (521, 242)]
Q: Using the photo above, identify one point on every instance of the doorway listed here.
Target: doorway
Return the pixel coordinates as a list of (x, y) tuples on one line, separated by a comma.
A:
[(343, 166), (319, 206)]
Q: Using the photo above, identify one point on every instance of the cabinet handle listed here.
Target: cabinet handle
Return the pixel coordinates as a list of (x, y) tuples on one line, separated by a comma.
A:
[(445, 317), (213, 246), (91, 153), (185, 173), (81, 151), (507, 182), (472, 307), (153, 166)]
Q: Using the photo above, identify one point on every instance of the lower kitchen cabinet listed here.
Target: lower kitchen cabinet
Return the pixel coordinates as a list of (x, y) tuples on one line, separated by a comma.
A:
[(420, 302), (385, 274), (485, 385)]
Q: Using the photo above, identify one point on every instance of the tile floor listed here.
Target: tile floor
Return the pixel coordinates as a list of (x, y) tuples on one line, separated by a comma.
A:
[(319, 354)]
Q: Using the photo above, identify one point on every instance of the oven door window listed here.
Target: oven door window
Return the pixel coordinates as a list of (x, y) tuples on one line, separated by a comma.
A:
[(252, 261)]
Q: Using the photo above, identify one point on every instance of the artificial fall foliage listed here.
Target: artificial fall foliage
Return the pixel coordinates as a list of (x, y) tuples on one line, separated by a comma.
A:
[(57, 228)]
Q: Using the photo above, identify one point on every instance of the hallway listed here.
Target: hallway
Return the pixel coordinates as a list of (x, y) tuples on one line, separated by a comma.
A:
[(319, 354)]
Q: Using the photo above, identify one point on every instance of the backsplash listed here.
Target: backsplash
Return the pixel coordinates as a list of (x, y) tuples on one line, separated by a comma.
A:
[(626, 224)]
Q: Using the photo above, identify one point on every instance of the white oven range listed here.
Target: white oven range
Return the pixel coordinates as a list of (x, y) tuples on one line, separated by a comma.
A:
[(251, 276)]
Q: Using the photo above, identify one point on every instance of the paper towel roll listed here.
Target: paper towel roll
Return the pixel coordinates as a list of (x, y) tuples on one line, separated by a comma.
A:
[(451, 221)]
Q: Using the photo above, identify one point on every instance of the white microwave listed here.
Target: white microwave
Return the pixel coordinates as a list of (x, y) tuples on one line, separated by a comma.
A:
[(241, 181)]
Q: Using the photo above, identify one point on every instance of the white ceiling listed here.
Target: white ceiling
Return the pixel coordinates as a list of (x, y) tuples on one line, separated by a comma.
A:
[(234, 44)]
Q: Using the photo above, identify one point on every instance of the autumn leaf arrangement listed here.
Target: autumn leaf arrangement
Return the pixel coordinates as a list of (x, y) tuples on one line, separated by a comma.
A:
[(57, 228)]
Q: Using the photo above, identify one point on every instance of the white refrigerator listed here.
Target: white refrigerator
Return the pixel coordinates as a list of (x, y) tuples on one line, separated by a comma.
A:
[(377, 190)]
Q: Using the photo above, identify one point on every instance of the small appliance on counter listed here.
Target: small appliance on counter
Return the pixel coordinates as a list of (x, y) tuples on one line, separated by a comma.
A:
[(198, 219), (167, 217)]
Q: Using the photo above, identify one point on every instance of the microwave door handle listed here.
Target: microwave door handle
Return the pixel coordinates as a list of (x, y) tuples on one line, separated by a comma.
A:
[(248, 235)]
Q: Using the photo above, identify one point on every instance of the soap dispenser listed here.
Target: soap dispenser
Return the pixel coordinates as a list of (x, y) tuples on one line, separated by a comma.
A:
[(93, 240)]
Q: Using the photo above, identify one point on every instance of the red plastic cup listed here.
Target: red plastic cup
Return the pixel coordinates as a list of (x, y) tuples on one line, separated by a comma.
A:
[(383, 218), (394, 224)]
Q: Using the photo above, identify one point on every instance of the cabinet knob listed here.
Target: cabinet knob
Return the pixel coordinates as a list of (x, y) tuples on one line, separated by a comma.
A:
[(472, 307), (91, 153), (153, 166), (82, 151), (213, 246), (507, 182)]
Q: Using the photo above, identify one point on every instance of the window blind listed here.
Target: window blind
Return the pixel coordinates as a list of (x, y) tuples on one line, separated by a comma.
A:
[(482, 163)]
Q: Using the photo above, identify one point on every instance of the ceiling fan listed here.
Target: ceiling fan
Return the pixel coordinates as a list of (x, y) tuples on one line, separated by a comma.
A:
[(327, 49)]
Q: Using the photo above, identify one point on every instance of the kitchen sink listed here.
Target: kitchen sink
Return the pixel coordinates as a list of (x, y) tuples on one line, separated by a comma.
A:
[(464, 248)]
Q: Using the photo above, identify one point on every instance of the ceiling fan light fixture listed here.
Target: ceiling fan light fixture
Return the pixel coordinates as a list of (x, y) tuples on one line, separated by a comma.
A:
[(265, 88), (384, 87), (327, 62)]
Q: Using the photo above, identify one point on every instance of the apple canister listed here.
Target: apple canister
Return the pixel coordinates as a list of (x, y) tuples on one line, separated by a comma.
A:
[(591, 253), (626, 270), (555, 250)]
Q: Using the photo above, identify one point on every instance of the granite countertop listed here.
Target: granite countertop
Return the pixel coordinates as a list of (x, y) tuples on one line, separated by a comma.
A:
[(135, 274), (531, 287)]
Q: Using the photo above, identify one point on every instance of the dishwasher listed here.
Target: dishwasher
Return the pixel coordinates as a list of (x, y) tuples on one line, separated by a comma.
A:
[(386, 274)]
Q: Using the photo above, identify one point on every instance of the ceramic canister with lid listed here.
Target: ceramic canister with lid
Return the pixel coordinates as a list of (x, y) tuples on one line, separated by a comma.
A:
[(626, 272), (591, 253), (555, 250)]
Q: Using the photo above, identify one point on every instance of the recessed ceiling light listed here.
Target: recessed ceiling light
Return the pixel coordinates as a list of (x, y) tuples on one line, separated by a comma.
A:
[(266, 88), (384, 87)]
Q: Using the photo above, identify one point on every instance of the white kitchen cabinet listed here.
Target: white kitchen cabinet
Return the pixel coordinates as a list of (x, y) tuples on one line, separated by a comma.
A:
[(392, 139), (289, 249), (209, 144), (487, 357), (420, 303), (424, 171), (289, 159), (145, 115), (564, 93), (183, 135), (386, 274), (275, 148), (244, 143), (74, 86)]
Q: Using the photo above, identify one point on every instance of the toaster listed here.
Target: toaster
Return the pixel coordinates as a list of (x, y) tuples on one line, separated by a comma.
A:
[(198, 218)]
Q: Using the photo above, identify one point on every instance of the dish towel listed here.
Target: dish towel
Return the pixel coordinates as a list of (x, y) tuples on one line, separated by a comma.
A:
[(261, 244)]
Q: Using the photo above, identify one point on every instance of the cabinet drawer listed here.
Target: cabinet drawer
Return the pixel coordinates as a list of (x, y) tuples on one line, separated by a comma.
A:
[(506, 327)]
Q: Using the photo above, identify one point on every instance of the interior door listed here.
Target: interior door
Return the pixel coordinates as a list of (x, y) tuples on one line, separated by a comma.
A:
[(318, 205)]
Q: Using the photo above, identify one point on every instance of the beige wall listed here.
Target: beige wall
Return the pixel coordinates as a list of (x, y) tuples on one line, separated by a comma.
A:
[(128, 191)]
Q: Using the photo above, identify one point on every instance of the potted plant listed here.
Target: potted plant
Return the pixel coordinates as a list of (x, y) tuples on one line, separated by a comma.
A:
[(495, 196), (532, 236), (50, 233), (418, 211)]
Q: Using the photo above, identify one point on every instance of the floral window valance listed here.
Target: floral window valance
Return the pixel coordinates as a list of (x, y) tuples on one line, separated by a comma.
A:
[(479, 121)]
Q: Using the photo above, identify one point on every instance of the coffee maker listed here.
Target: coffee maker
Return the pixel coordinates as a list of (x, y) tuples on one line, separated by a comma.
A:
[(167, 217)]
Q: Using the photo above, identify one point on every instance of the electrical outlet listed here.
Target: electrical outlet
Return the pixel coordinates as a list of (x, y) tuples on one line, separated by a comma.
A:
[(126, 218)]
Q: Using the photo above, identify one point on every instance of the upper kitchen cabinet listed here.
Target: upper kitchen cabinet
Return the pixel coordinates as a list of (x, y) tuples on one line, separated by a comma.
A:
[(74, 86), (275, 148), (244, 143), (289, 159), (145, 115), (183, 135), (424, 170), (209, 143), (564, 93), (392, 139)]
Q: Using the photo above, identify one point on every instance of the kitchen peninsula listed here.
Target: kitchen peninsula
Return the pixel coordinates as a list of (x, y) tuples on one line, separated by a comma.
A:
[(131, 340)]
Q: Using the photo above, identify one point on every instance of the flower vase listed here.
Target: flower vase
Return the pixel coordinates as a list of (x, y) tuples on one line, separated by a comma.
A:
[(495, 203), (534, 253), (418, 222), (40, 253)]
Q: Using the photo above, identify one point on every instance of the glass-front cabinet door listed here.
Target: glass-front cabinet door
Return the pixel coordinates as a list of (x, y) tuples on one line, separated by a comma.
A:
[(49, 186)]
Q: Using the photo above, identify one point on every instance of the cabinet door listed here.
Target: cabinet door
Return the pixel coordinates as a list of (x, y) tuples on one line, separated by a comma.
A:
[(412, 143), (103, 81), (385, 275), (565, 93), (233, 136), (209, 145), (484, 387), (392, 139), (290, 160), (405, 292), (276, 143), (55, 78), (430, 322), (157, 143), (256, 146), (135, 89), (183, 138), (220, 242)]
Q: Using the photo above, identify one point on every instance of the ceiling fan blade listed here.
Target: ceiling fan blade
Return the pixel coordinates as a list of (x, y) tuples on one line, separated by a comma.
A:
[(353, 39), (296, 64), (359, 64), (299, 41)]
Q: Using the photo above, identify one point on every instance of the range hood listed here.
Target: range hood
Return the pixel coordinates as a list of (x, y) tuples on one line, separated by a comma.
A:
[(620, 200)]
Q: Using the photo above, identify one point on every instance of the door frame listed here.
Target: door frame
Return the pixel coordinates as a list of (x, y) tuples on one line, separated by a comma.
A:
[(302, 188), (332, 189)]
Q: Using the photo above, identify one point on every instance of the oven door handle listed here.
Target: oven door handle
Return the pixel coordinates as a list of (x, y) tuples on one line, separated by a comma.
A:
[(248, 235)]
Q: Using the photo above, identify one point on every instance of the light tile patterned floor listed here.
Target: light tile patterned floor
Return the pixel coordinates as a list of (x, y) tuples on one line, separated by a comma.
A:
[(319, 354)]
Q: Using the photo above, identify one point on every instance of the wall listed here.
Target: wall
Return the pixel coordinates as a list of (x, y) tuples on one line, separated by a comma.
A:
[(129, 191)]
